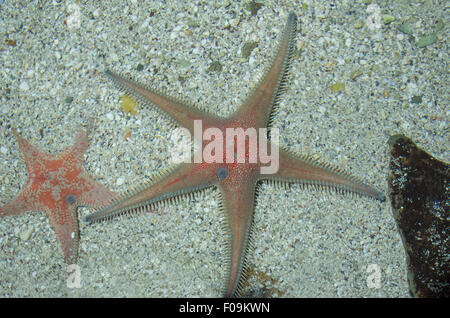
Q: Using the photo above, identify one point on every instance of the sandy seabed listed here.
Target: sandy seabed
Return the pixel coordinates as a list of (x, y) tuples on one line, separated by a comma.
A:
[(308, 243)]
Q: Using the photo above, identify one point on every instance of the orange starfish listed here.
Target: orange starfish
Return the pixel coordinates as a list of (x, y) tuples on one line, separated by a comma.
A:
[(236, 181), (58, 185)]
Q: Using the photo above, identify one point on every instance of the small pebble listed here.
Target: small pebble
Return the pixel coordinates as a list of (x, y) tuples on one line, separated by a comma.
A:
[(348, 42), (24, 86), (119, 181), (25, 235), (110, 116)]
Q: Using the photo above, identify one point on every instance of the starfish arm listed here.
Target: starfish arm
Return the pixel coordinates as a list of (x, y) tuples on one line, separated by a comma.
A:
[(18, 205), (182, 113), (79, 147), (238, 205), (260, 106), (293, 168), (32, 155), (94, 193), (65, 224), (166, 186)]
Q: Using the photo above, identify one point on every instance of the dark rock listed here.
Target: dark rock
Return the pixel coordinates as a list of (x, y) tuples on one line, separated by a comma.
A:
[(419, 192)]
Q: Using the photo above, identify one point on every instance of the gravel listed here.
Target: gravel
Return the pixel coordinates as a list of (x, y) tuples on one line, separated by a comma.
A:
[(311, 243)]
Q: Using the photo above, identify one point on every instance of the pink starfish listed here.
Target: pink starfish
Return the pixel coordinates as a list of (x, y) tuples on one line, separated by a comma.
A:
[(236, 180), (58, 185)]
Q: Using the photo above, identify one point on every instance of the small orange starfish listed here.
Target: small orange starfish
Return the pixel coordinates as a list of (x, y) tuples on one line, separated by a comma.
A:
[(58, 185), (236, 181)]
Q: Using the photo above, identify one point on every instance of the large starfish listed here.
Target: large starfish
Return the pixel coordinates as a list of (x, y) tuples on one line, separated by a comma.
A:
[(237, 182), (58, 185)]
